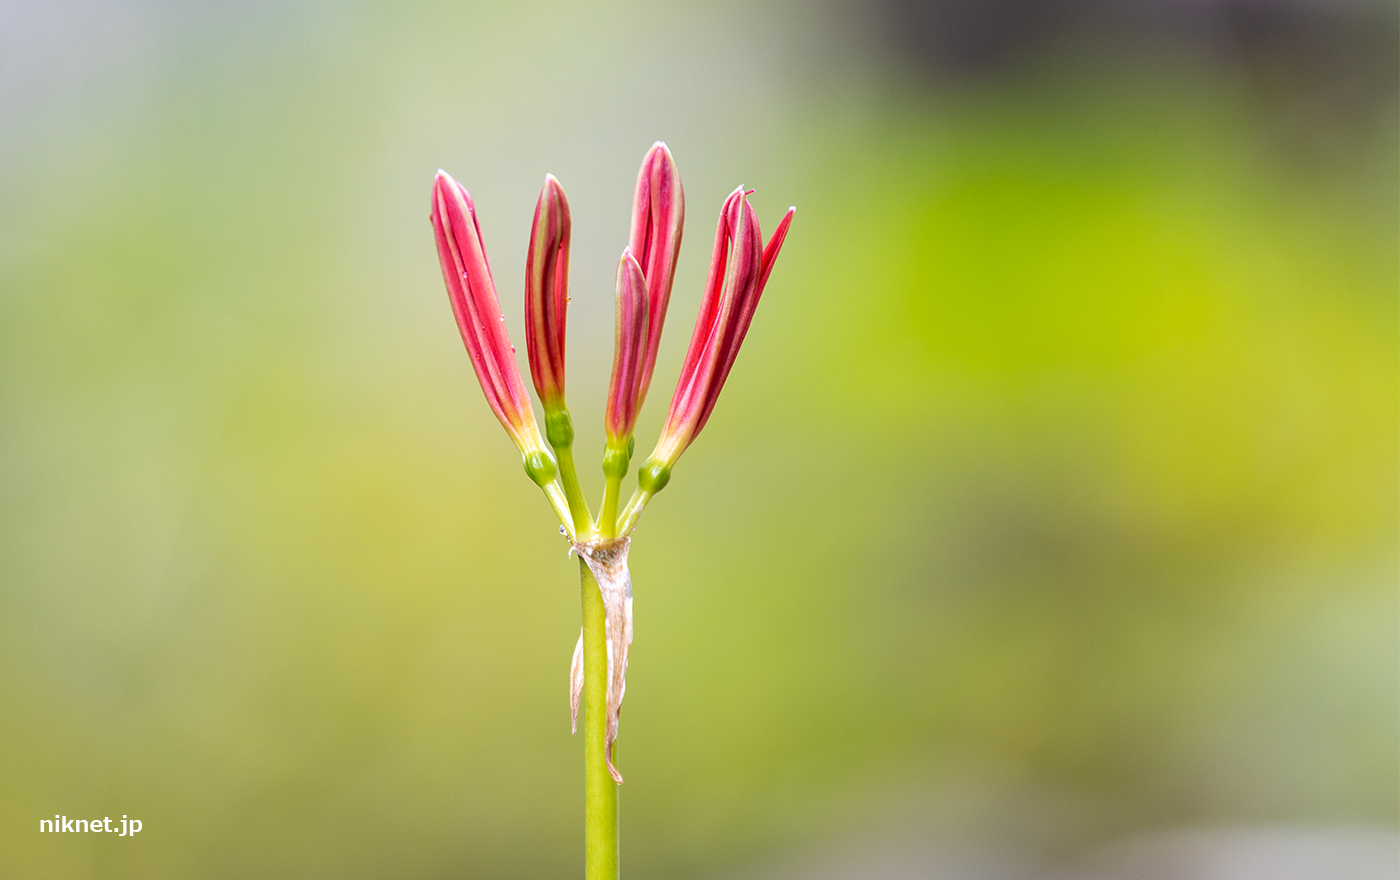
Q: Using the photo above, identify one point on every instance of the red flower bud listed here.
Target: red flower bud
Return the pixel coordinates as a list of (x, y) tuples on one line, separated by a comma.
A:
[(479, 318), (547, 294), (739, 269), (658, 216), (626, 389)]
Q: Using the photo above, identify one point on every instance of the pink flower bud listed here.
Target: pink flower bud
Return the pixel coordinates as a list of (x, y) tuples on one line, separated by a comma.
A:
[(473, 296), (739, 269), (658, 215), (625, 391), (547, 294)]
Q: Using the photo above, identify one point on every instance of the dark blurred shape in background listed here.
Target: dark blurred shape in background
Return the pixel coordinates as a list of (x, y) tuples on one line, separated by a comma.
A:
[(1291, 47), (1319, 68)]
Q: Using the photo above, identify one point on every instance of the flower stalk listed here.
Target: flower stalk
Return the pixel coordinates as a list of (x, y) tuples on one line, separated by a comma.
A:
[(739, 268), (600, 789)]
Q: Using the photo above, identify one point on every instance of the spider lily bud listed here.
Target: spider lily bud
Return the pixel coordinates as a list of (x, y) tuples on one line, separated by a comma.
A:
[(658, 215), (546, 306), (625, 391), (479, 318), (739, 269)]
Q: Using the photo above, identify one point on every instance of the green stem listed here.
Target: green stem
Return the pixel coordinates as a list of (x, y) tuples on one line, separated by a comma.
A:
[(615, 459), (628, 519), (600, 792), (555, 494), (578, 505), (607, 517)]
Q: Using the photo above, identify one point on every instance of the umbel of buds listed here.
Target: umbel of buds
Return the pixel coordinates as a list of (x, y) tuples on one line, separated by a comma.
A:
[(739, 268)]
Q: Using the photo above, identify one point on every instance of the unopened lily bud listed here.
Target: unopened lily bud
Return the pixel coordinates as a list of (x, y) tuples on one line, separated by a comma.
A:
[(739, 269), (547, 301), (625, 388), (658, 217), (473, 295)]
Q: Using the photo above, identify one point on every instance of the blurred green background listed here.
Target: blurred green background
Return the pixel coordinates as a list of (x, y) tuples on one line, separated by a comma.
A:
[(1052, 500)]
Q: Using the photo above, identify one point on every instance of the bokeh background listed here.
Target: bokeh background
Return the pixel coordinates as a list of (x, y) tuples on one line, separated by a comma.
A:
[(1047, 526)]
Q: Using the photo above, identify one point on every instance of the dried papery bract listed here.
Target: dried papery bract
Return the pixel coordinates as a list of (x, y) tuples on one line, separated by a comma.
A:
[(575, 683), (472, 292), (607, 560)]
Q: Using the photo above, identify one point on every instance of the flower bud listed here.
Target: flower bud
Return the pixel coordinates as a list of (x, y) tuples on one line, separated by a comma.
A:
[(625, 389), (547, 295), (739, 269), (479, 318), (658, 217)]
